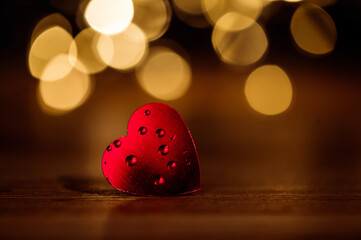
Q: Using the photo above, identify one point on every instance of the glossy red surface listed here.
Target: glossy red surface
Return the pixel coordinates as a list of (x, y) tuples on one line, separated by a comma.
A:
[(150, 160)]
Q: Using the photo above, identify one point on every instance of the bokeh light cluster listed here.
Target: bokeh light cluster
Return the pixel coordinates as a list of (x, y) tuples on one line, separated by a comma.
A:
[(240, 40), (268, 90), (112, 33), (117, 33)]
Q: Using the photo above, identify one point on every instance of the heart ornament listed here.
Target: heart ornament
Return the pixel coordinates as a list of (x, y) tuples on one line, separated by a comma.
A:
[(157, 157)]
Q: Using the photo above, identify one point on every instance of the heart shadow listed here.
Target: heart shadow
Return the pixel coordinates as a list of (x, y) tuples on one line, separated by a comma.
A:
[(89, 185)]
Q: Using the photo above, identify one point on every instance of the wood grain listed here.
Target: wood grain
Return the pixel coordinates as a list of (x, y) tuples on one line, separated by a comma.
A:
[(71, 207)]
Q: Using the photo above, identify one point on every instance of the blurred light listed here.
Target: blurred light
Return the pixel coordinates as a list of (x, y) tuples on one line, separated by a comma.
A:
[(190, 12), (46, 46), (215, 9), (264, 2), (79, 16), (84, 49), (164, 74), (65, 94), (153, 17), (49, 21), (57, 68), (109, 16), (322, 2), (313, 29), (268, 90), (124, 50), (189, 6), (238, 39), (317, 2)]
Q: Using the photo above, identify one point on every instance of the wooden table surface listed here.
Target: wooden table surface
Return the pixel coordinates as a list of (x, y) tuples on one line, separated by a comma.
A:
[(55, 206)]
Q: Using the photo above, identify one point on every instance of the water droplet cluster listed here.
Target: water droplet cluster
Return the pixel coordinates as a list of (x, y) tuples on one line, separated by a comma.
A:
[(163, 150)]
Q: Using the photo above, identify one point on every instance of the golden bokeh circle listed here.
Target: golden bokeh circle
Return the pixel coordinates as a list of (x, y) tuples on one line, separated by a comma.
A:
[(215, 9), (124, 50), (164, 74), (109, 16), (239, 40), (65, 94), (153, 17), (313, 30), (268, 90), (49, 44), (83, 50)]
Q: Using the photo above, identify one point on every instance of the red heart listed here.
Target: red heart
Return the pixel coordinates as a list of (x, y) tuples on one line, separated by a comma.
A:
[(158, 157)]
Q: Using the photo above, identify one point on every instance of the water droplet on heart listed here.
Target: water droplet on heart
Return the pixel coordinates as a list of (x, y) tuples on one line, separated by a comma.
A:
[(185, 151), (131, 160), (164, 150), (117, 143), (159, 180), (173, 137), (143, 130), (160, 133), (171, 165), (147, 112), (188, 163), (109, 148)]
